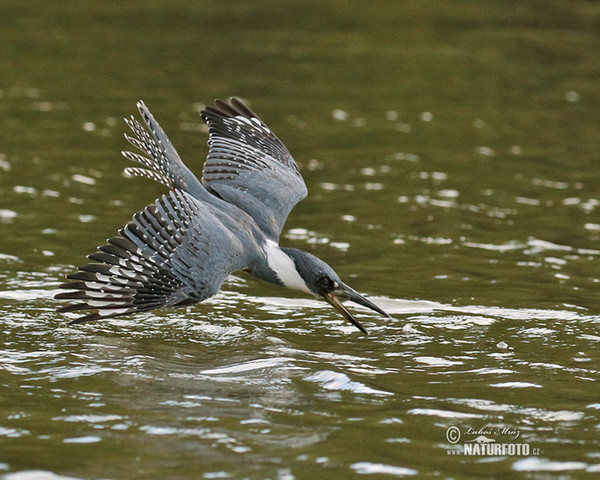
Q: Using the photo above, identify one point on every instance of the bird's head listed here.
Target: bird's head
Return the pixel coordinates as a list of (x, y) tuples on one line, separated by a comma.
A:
[(322, 281)]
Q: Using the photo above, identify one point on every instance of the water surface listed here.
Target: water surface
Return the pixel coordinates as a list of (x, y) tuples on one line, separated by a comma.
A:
[(451, 159)]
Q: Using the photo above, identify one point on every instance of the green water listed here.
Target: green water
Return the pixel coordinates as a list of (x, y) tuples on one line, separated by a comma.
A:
[(451, 153)]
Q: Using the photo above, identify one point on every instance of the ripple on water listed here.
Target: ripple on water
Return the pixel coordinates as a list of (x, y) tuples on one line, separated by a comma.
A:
[(515, 385), (341, 382), (83, 440), (534, 464), (7, 215), (437, 362), (89, 418), (36, 475), (435, 412), (369, 468), (243, 367), (13, 432)]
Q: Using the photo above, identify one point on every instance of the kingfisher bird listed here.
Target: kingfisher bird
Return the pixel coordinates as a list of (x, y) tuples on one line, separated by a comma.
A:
[(179, 250)]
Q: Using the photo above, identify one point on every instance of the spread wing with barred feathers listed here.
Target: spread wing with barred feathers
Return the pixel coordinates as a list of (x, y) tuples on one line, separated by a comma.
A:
[(165, 257), (248, 166)]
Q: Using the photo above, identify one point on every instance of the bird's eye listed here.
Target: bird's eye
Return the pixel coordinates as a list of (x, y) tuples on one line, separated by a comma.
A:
[(326, 283)]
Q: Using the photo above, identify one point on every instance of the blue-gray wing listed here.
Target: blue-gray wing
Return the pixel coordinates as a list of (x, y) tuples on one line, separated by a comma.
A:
[(249, 167), (175, 252)]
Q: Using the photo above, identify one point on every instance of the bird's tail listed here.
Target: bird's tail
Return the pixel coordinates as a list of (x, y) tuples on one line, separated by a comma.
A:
[(134, 271), (162, 161)]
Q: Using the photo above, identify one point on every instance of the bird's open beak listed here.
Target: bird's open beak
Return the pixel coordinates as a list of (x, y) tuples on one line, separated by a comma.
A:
[(345, 292)]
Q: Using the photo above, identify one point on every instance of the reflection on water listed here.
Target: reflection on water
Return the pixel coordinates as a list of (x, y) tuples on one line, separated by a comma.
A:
[(451, 159)]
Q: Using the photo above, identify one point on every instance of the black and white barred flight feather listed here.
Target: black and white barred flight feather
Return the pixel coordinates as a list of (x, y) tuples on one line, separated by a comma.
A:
[(161, 160)]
